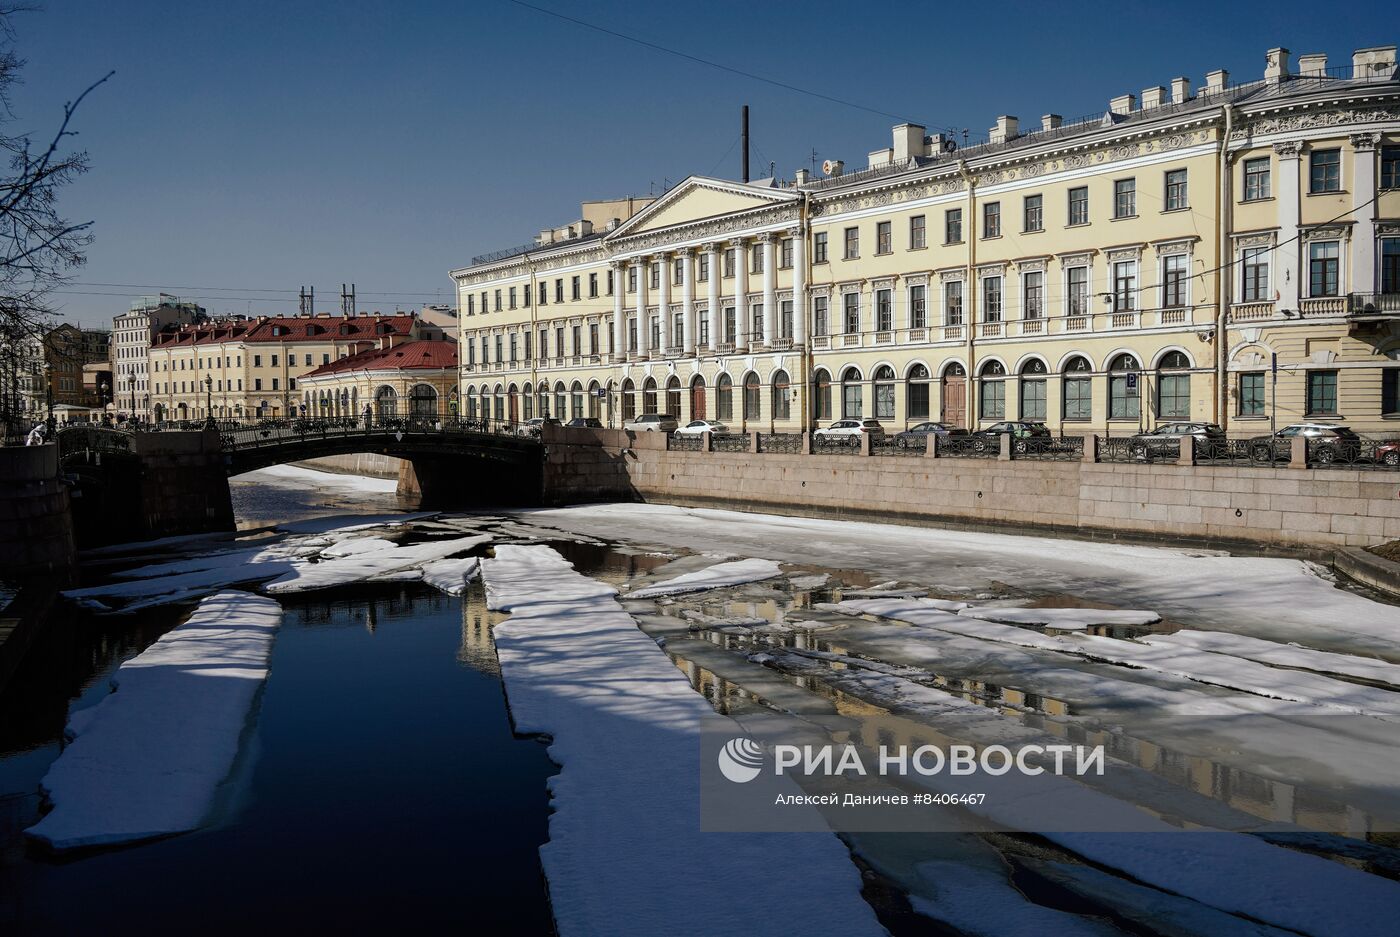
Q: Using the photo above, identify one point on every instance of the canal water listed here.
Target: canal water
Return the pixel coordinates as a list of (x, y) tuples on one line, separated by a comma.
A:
[(381, 789)]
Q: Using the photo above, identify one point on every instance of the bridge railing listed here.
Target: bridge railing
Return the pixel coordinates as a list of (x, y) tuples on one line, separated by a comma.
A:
[(261, 433)]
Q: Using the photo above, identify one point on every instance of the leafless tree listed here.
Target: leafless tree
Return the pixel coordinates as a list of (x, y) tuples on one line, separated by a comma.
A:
[(39, 248)]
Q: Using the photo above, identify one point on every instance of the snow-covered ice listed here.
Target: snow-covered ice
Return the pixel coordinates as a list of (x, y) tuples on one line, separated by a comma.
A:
[(624, 727), (733, 573), (299, 476), (358, 566), (148, 759), (450, 576), (1063, 619)]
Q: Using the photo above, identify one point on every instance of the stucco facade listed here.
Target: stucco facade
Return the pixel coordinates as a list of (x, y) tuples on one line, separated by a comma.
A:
[(1119, 272)]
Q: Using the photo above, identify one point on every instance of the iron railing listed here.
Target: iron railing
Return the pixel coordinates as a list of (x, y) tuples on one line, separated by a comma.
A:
[(836, 445), (1365, 454), (685, 443), (780, 442), (1137, 449), (73, 439), (280, 432), (968, 447), (730, 442), (1049, 448), (892, 444), (1242, 451)]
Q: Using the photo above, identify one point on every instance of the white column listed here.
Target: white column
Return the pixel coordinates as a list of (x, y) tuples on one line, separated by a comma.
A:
[(643, 333), (770, 290), (741, 294), (619, 313), (663, 261), (687, 257), (714, 312), (1287, 192), (799, 288), (1363, 236)]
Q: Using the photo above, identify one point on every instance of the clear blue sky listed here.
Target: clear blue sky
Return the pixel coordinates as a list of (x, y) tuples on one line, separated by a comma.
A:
[(264, 145)]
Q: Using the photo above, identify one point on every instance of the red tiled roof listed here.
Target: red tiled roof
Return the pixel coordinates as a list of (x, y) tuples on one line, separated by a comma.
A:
[(426, 356), (290, 329)]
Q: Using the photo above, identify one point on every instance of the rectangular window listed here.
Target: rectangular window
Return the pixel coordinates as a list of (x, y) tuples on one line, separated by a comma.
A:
[(917, 238), (655, 333), (499, 349), (884, 238), (1252, 393), (991, 299), (756, 322), (257, 384), (1257, 181), (1323, 268), (884, 401), (593, 338), (512, 297), (544, 294), (654, 275), (851, 312), (512, 348), (274, 383), (1174, 395), (1079, 205), (610, 283), (952, 226), (785, 254), (677, 329), (704, 325), (918, 312), (756, 259), (1390, 391), (1033, 214), (704, 276), (498, 300), (1125, 286), (729, 264), (577, 334), (559, 290), (953, 303), (852, 243), (574, 293), (471, 304), (1032, 398), (631, 335), (819, 247), (1390, 167), (785, 320), (631, 279), (731, 325), (993, 399), (991, 220), (592, 286), (1255, 264), (677, 270), (819, 311), (1325, 171), (528, 347), (1175, 195), (1033, 295), (1124, 396), (1124, 198), (1173, 281), (525, 294), (1077, 284), (1079, 398), (884, 310), (1390, 265), (1322, 393)]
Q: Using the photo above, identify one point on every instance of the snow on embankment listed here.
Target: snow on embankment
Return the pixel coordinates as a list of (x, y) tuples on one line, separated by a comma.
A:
[(625, 841), (148, 759), (733, 573)]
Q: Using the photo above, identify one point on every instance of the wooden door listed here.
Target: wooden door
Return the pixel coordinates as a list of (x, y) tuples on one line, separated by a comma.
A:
[(955, 401), (697, 401)]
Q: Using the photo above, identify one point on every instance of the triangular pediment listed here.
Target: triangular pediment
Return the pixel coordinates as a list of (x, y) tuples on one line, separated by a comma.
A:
[(699, 198)]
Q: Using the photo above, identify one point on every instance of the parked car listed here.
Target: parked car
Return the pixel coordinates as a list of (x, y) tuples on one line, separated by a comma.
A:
[(585, 422), (1159, 441), (916, 436), (696, 427), (534, 426), (847, 432), (1327, 442), (653, 423), (1018, 430), (1388, 452)]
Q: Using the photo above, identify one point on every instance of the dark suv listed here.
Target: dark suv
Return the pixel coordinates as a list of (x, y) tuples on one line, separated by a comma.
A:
[(1327, 443), (1018, 430), (1159, 441)]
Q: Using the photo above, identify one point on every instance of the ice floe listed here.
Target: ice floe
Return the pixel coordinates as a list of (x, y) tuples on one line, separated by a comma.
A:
[(148, 759), (624, 727), (733, 573), (450, 576), (1062, 619), (358, 566)]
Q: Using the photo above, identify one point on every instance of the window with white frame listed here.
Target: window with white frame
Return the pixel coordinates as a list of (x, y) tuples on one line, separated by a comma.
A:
[(1079, 205), (917, 235), (1324, 268), (1174, 280), (1254, 287), (1124, 198), (850, 304), (785, 320), (1174, 197), (953, 302), (1077, 289), (704, 273), (1032, 294), (991, 299), (819, 315), (884, 237), (1257, 179), (1325, 171), (884, 310), (991, 220), (1125, 286), (1033, 214), (918, 313)]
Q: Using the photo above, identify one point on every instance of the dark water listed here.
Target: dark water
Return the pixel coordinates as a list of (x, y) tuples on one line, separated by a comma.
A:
[(380, 788)]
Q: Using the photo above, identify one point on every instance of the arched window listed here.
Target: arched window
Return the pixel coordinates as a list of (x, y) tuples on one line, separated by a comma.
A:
[(513, 402), (576, 401), (422, 402), (954, 393), (561, 401), (1174, 386), (454, 405), (591, 402), (916, 393), (852, 395), (884, 392), (354, 401), (724, 398), (991, 391), (527, 399), (673, 396), (751, 396), (649, 395), (629, 400), (500, 407), (386, 403), (697, 397), (782, 396), (821, 394), (1124, 392), (1033, 390), (1078, 389)]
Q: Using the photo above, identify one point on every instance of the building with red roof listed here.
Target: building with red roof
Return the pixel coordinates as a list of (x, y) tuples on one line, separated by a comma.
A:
[(416, 379)]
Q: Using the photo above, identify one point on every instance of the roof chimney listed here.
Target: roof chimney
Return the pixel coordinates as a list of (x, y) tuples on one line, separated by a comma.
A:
[(1216, 81), (908, 141), (1007, 128), (1123, 104), (801, 177), (1050, 121), (1181, 90), (1276, 66), (1313, 65), (1378, 62), (1153, 97)]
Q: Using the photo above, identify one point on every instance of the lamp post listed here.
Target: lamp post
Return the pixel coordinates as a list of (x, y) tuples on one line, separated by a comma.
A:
[(48, 394), (208, 402)]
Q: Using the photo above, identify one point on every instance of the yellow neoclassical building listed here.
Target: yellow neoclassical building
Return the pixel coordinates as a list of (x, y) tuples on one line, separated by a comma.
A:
[(1229, 252)]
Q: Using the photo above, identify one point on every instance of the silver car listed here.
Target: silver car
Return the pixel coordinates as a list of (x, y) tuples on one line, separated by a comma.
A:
[(1160, 441), (652, 423)]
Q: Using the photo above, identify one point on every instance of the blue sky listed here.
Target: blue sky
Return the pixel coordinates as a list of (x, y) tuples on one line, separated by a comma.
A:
[(260, 146)]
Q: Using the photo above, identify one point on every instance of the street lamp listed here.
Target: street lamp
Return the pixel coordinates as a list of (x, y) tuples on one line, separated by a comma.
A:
[(208, 402), (48, 393)]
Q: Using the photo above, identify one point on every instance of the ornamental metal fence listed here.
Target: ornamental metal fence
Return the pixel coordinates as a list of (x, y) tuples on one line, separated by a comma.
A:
[(730, 442), (685, 443), (893, 445), (1242, 451), (1049, 448), (836, 445), (1364, 454), (780, 442), (968, 447)]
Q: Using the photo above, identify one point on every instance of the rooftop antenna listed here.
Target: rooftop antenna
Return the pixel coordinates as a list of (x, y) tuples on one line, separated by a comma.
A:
[(772, 169), (814, 161), (744, 147)]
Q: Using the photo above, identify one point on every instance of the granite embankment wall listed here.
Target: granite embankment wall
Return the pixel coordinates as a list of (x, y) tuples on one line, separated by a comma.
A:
[(371, 464), (36, 522), (1262, 508)]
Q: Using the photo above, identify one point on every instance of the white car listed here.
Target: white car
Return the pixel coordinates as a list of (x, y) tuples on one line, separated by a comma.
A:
[(847, 432), (652, 423), (696, 427)]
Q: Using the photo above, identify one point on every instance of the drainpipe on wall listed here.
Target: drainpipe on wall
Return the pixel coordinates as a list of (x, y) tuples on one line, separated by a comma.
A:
[(535, 357), (970, 400), (1223, 276), (806, 360)]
